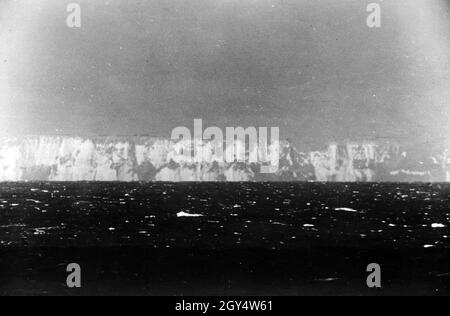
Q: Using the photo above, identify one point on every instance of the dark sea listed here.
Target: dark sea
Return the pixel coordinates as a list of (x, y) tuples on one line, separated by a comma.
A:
[(224, 238)]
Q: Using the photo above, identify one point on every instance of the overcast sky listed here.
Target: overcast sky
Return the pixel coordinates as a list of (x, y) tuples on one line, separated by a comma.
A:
[(311, 67)]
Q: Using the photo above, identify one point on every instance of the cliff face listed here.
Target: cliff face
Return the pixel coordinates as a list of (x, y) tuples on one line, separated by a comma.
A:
[(43, 158)]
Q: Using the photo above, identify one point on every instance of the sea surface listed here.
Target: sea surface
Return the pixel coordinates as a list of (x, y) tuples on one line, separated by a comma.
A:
[(224, 238)]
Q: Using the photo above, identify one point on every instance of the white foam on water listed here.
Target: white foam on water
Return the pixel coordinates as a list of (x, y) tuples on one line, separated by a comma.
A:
[(328, 279), (345, 209), (184, 214), (13, 225), (438, 225), (34, 201)]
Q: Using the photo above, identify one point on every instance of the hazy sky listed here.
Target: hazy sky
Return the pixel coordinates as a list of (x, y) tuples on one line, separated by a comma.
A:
[(311, 67)]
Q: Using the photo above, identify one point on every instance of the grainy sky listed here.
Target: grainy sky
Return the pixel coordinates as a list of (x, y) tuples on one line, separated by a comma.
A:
[(311, 67)]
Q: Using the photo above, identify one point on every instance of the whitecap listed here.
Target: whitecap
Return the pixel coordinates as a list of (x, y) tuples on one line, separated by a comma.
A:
[(13, 225), (327, 280), (34, 201), (438, 225), (184, 214), (346, 209)]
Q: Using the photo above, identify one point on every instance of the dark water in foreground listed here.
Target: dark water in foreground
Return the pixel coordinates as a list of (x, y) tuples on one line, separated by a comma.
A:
[(251, 239)]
